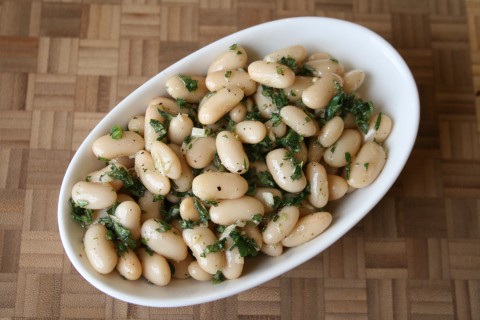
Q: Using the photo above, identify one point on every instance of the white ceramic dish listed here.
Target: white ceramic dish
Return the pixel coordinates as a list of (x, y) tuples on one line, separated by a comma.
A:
[(389, 85)]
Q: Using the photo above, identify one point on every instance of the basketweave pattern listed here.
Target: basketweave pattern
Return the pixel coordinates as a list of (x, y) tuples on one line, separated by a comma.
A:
[(65, 64)]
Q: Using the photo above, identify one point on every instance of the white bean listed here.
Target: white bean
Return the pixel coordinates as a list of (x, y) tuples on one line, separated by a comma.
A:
[(282, 171), (155, 267), (353, 80), (267, 197), (108, 148), (273, 250), (231, 211), (153, 180), (190, 88), (226, 78), (137, 124), (238, 113), (271, 74), (297, 52), (216, 105), (299, 121), (129, 265), (322, 67), (295, 91), (100, 251), (317, 179), (180, 268), (331, 131), (379, 128), (197, 273), (164, 241), (236, 57), (348, 144), (179, 127), (367, 165), (150, 208), (197, 240), (219, 185), (307, 228), (251, 131), (165, 160), (318, 95), (184, 182), (231, 153), (199, 152), (337, 187), (91, 195), (278, 228)]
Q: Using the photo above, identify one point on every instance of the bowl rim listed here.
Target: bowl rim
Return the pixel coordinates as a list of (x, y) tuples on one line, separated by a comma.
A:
[(249, 283)]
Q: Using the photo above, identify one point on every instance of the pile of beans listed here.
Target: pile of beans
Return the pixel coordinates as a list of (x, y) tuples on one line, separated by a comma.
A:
[(200, 206)]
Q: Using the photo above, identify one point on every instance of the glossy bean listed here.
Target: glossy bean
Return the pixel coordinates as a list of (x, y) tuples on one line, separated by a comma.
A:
[(218, 104), (153, 180), (164, 241), (190, 88), (219, 185), (91, 195), (129, 265), (271, 74), (346, 146), (108, 148), (100, 251), (282, 171), (307, 228), (231, 153), (317, 179), (367, 165), (226, 78), (165, 160), (155, 267), (279, 228), (197, 240), (231, 211)]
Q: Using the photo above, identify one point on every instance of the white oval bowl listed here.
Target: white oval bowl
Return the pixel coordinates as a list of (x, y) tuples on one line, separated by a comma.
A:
[(389, 84)]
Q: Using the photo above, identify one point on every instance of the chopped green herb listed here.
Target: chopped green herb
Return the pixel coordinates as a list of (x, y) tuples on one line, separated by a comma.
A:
[(308, 119), (332, 149), (149, 251), (172, 213), (276, 119), (233, 47), (187, 224), (130, 182), (292, 141), (116, 132), (182, 102), (211, 202), (296, 200), (158, 127), (247, 247), (171, 266), (119, 234), (204, 216), (348, 158), (79, 214), (377, 123), (298, 165), (112, 209), (167, 116), (228, 74), (290, 62), (217, 246), (334, 60), (257, 218), (189, 83), (218, 277), (280, 71), (278, 96), (265, 179), (82, 203), (365, 165), (163, 226), (103, 159), (158, 198)]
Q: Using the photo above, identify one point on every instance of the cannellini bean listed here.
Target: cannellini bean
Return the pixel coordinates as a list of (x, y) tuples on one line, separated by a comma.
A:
[(250, 131), (278, 131), (264, 104), (306, 208), (197, 240), (108, 148), (331, 131), (197, 273), (271, 74), (318, 95), (302, 155), (155, 267), (319, 56), (127, 162), (348, 143), (282, 171), (219, 185), (379, 128), (233, 261), (259, 166), (180, 268), (238, 113), (297, 52), (184, 182), (323, 66), (199, 152), (226, 78), (299, 121), (165, 104), (278, 228), (216, 105), (190, 88), (307, 228), (122, 197), (167, 243), (101, 176), (129, 265), (273, 250), (337, 187), (92, 195), (179, 127), (236, 57), (128, 214), (353, 80), (315, 150), (251, 231), (267, 197), (165, 160), (188, 211), (317, 179), (367, 165), (152, 116), (150, 208), (100, 251), (294, 92), (137, 124), (231, 153), (231, 211), (153, 180)]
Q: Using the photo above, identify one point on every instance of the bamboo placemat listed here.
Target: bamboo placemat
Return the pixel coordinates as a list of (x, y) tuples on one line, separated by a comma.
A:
[(64, 64)]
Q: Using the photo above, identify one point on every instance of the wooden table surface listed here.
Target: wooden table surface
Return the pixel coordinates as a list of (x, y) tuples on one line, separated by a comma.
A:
[(64, 64)]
